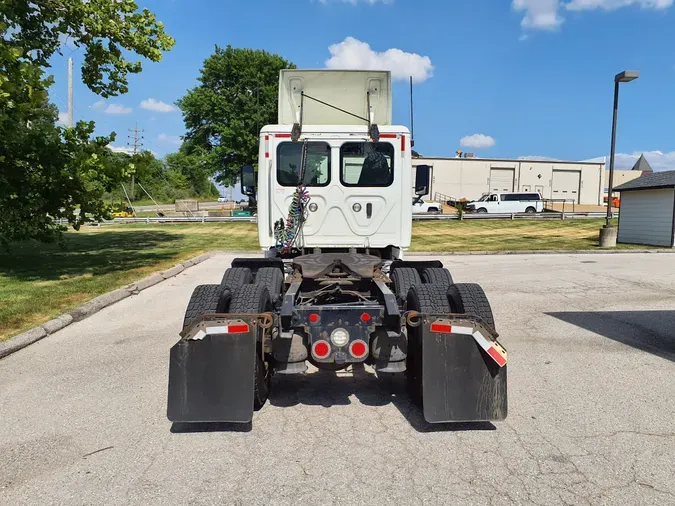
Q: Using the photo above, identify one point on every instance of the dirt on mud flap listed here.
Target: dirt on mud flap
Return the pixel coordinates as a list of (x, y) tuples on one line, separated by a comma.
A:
[(212, 369), (464, 368)]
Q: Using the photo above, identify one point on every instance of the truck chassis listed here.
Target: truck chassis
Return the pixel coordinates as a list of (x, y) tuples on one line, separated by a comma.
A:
[(272, 316)]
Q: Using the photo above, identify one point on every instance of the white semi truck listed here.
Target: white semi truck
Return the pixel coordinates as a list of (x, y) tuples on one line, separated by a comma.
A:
[(334, 288)]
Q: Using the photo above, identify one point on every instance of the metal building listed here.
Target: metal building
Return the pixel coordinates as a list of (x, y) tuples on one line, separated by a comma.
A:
[(578, 182), (648, 210)]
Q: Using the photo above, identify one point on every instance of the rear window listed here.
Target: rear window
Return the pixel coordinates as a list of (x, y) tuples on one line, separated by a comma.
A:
[(317, 168), (367, 164)]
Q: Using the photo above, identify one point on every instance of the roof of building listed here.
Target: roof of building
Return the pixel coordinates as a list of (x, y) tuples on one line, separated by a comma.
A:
[(651, 181), (643, 165), (509, 160)]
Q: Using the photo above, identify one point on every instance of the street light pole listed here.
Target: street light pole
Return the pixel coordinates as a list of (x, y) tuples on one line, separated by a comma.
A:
[(624, 77), (610, 188)]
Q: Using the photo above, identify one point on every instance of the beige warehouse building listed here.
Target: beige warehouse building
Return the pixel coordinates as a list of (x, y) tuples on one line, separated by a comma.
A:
[(578, 182)]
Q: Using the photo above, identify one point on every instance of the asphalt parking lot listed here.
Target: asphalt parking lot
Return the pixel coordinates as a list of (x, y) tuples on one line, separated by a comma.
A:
[(591, 341)]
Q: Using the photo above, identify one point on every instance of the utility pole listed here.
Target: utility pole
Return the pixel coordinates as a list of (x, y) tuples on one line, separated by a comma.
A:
[(70, 92), (135, 143)]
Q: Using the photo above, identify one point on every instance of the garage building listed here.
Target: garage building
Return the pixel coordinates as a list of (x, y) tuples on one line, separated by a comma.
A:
[(578, 182), (648, 210)]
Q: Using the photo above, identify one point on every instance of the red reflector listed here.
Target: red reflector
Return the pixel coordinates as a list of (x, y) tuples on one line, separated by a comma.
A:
[(283, 136), (403, 143), (443, 328), (365, 317), (501, 361), (313, 317), (358, 349), (237, 329), (321, 349), (388, 136)]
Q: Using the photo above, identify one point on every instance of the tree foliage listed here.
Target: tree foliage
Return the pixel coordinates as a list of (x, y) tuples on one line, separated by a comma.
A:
[(46, 171), (236, 96), (178, 176)]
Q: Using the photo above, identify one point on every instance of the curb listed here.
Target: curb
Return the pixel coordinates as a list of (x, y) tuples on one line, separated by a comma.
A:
[(87, 309), (538, 252)]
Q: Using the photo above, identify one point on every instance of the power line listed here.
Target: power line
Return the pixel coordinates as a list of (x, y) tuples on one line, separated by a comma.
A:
[(135, 143)]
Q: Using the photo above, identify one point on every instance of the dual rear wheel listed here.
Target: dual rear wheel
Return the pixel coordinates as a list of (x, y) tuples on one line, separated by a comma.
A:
[(437, 295), (239, 294)]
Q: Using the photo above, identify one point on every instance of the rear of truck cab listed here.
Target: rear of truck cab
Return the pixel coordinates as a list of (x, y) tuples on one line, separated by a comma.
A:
[(346, 210)]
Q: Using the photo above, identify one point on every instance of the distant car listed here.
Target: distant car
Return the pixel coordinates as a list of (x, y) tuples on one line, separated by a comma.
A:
[(526, 202), (421, 206), (222, 199)]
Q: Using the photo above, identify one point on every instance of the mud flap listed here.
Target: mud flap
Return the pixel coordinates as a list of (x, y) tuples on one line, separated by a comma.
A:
[(211, 376), (463, 376)]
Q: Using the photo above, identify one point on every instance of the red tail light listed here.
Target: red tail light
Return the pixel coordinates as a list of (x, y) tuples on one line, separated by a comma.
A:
[(320, 349), (365, 317), (314, 317), (358, 349)]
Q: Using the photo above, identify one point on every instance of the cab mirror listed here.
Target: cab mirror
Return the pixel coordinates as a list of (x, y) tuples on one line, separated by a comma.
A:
[(422, 177), (247, 179)]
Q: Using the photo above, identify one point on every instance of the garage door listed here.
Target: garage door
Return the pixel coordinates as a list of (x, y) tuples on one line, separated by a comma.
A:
[(501, 180), (566, 184)]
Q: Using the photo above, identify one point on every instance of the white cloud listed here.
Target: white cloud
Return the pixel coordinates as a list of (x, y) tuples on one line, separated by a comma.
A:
[(610, 5), (127, 150), (117, 109), (657, 159), (539, 158), (477, 141), (354, 54), (63, 118), (539, 14), (152, 104), (121, 149), (545, 14), (97, 106), (170, 139)]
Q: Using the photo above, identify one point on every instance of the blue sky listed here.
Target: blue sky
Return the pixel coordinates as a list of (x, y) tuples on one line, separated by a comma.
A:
[(499, 78)]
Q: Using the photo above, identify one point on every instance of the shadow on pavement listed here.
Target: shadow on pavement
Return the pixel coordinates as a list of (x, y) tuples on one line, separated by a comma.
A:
[(327, 388), (187, 428), (650, 331)]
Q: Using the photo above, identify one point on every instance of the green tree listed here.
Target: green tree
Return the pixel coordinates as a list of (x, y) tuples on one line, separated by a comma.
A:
[(196, 167), (236, 96), (46, 171)]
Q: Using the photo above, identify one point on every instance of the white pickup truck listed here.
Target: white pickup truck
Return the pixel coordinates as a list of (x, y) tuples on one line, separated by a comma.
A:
[(420, 206)]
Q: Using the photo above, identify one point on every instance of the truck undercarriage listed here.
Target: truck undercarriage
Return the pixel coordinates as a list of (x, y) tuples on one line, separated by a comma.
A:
[(332, 310)]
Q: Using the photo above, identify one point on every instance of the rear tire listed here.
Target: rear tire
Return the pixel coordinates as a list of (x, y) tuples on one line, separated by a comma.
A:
[(254, 299), (425, 299), (402, 279), (530, 210), (273, 279), (469, 298), (206, 299), (437, 276), (235, 277)]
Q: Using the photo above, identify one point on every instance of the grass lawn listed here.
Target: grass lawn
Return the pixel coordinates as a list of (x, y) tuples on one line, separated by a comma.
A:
[(39, 282), (502, 235)]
